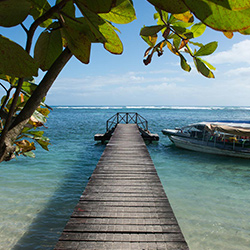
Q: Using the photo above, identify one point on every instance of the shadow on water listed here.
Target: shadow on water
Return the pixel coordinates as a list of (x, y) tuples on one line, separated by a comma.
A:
[(47, 227)]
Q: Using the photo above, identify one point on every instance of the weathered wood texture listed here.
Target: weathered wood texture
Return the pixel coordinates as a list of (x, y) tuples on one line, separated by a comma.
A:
[(124, 205)]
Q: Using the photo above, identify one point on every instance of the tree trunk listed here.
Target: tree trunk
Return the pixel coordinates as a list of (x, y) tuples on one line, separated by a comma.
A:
[(8, 149)]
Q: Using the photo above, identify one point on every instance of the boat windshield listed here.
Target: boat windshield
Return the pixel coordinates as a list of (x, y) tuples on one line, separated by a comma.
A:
[(194, 130)]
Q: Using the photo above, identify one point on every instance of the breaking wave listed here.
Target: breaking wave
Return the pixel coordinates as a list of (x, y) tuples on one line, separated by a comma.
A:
[(155, 107)]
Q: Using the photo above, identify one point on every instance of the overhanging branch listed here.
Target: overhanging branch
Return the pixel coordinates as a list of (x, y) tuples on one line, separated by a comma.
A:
[(42, 89)]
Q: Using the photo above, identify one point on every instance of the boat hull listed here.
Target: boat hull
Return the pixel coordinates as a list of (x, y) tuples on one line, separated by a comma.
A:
[(201, 146)]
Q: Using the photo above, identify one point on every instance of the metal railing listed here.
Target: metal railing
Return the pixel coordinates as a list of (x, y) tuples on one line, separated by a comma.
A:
[(126, 118)]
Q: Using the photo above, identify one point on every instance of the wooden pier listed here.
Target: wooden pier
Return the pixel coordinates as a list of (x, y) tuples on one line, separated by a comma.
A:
[(127, 118), (124, 205)]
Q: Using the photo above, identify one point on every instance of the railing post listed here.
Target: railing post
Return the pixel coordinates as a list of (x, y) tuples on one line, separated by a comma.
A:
[(117, 120), (126, 117)]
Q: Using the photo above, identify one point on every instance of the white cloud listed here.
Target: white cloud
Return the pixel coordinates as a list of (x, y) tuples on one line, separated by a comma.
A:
[(154, 88), (231, 91), (239, 72), (114, 80), (239, 53), (130, 86)]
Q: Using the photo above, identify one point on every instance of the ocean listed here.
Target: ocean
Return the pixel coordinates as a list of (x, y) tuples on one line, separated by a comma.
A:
[(210, 195)]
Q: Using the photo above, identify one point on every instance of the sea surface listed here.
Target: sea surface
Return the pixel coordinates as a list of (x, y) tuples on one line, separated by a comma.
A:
[(210, 195)]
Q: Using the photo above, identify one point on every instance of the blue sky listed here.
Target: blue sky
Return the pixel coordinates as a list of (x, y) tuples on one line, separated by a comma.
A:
[(125, 80)]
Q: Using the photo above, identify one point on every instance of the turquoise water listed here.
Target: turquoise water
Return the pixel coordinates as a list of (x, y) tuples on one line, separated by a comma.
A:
[(210, 194)]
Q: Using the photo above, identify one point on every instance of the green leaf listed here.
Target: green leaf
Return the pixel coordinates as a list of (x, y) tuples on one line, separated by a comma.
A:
[(68, 9), (164, 15), (177, 42), (78, 43), (172, 48), (30, 154), (185, 66), (28, 87), (15, 61), (208, 64), (198, 29), (102, 28), (113, 44), (43, 143), (44, 111), (82, 25), (122, 13), (150, 40), (48, 48), (196, 44), (245, 31), (186, 17), (171, 6), (223, 15), (13, 12), (21, 102), (7, 78), (39, 117), (172, 19), (151, 30), (178, 29), (182, 24), (202, 68), (228, 34), (86, 26), (37, 134), (3, 99), (26, 129), (97, 6), (38, 8), (207, 49)]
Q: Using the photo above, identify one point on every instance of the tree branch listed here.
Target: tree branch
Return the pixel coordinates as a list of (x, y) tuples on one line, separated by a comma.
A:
[(42, 89), (40, 20), (3, 87), (30, 34), (11, 112), (7, 96), (24, 28), (168, 26)]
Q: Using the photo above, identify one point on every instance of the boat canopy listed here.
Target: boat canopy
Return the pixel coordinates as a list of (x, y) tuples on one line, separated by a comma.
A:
[(233, 129)]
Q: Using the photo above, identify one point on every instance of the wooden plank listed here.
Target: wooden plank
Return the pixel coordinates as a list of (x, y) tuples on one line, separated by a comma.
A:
[(124, 205)]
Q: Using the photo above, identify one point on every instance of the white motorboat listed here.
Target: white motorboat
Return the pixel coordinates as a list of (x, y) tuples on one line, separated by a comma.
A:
[(221, 138)]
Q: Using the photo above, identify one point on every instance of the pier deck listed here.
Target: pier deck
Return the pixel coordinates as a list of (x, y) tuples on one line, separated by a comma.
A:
[(124, 205)]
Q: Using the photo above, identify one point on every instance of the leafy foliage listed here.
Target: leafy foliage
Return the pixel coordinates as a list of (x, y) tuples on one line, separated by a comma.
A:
[(63, 34), (37, 120), (15, 61), (13, 12), (223, 15), (172, 6), (177, 30), (48, 48)]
